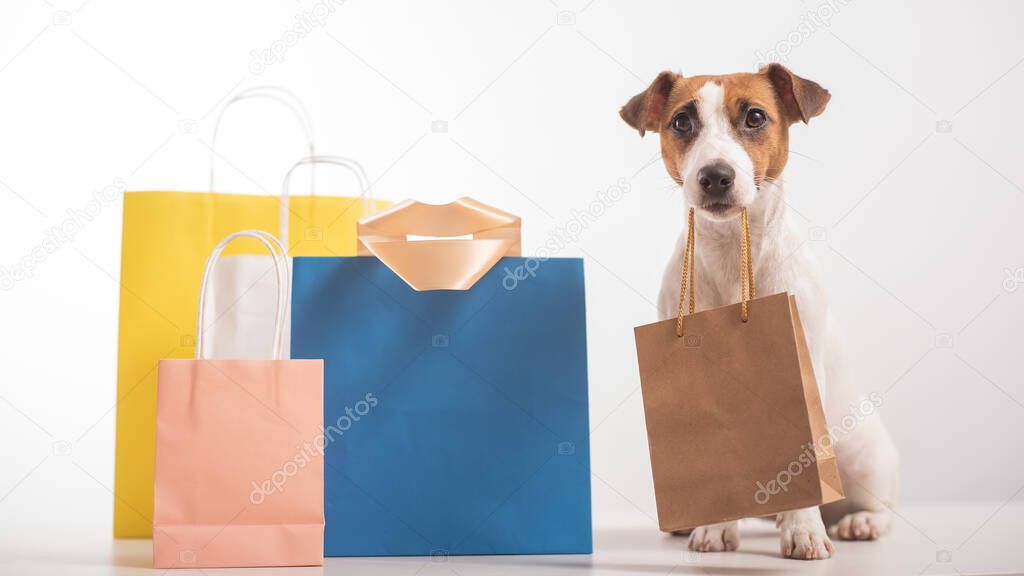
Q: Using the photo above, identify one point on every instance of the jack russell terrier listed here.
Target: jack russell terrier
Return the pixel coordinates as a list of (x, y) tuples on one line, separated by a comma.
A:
[(725, 142)]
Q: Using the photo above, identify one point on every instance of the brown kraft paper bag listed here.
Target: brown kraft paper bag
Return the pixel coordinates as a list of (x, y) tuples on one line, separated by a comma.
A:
[(734, 419)]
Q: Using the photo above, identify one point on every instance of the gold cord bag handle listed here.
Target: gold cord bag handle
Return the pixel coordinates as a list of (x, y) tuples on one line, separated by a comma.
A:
[(747, 292), (687, 276), (746, 266)]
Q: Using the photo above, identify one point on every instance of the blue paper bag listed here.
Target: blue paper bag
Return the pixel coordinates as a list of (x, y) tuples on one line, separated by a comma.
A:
[(456, 420)]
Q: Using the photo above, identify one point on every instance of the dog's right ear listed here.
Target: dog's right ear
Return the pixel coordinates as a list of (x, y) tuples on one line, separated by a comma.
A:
[(644, 110)]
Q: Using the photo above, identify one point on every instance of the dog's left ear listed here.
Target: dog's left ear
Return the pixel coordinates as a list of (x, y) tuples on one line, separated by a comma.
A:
[(801, 99), (644, 110)]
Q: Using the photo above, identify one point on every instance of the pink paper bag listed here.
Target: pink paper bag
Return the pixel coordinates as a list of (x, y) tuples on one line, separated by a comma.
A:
[(239, 452)]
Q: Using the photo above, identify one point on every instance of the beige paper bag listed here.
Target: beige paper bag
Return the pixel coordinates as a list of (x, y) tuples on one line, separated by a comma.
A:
[(734, 418), (239, 466)]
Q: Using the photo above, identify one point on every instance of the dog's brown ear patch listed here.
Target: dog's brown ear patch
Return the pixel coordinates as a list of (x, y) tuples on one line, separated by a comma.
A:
[(801, 99), (644, 110)]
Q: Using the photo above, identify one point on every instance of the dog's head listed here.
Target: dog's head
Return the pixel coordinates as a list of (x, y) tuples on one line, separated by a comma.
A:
[(723, 136)]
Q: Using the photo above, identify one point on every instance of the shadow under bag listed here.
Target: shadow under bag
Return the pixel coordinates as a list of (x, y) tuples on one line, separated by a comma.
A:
[(734, 419), (455, 399)]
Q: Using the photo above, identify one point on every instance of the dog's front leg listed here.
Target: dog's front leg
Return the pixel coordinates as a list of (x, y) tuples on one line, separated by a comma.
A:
[(803, 535)]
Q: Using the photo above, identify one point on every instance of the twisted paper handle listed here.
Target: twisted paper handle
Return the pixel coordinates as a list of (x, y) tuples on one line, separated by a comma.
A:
[(746, 271)]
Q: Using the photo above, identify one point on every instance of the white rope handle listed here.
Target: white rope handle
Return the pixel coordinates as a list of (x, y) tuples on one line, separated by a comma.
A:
[(276, 93), (365, 189), (281, 270)]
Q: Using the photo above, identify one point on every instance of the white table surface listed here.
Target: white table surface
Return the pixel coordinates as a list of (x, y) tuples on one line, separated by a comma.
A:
[(980, 538)]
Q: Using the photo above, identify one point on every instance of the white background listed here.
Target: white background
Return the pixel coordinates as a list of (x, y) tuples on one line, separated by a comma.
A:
[(915, 227)]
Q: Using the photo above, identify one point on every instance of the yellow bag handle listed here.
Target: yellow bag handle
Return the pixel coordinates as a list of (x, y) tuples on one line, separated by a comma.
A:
[(746, 270), (279, 94)]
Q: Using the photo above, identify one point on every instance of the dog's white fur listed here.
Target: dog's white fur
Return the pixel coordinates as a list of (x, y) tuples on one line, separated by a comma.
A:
[(782, 262)]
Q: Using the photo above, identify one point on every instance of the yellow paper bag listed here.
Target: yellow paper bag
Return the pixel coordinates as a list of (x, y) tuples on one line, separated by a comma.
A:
[(166, 239)]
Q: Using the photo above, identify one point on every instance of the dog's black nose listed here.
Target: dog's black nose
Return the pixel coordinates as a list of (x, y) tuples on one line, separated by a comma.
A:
[(716, 178)]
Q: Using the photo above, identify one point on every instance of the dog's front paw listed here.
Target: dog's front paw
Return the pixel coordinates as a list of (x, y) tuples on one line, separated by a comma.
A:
[(715, 537), (863, 525), (804, 537)]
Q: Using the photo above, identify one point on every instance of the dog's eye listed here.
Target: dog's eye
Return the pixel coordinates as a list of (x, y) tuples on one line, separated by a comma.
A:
[(756, 118), (681, 123)]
